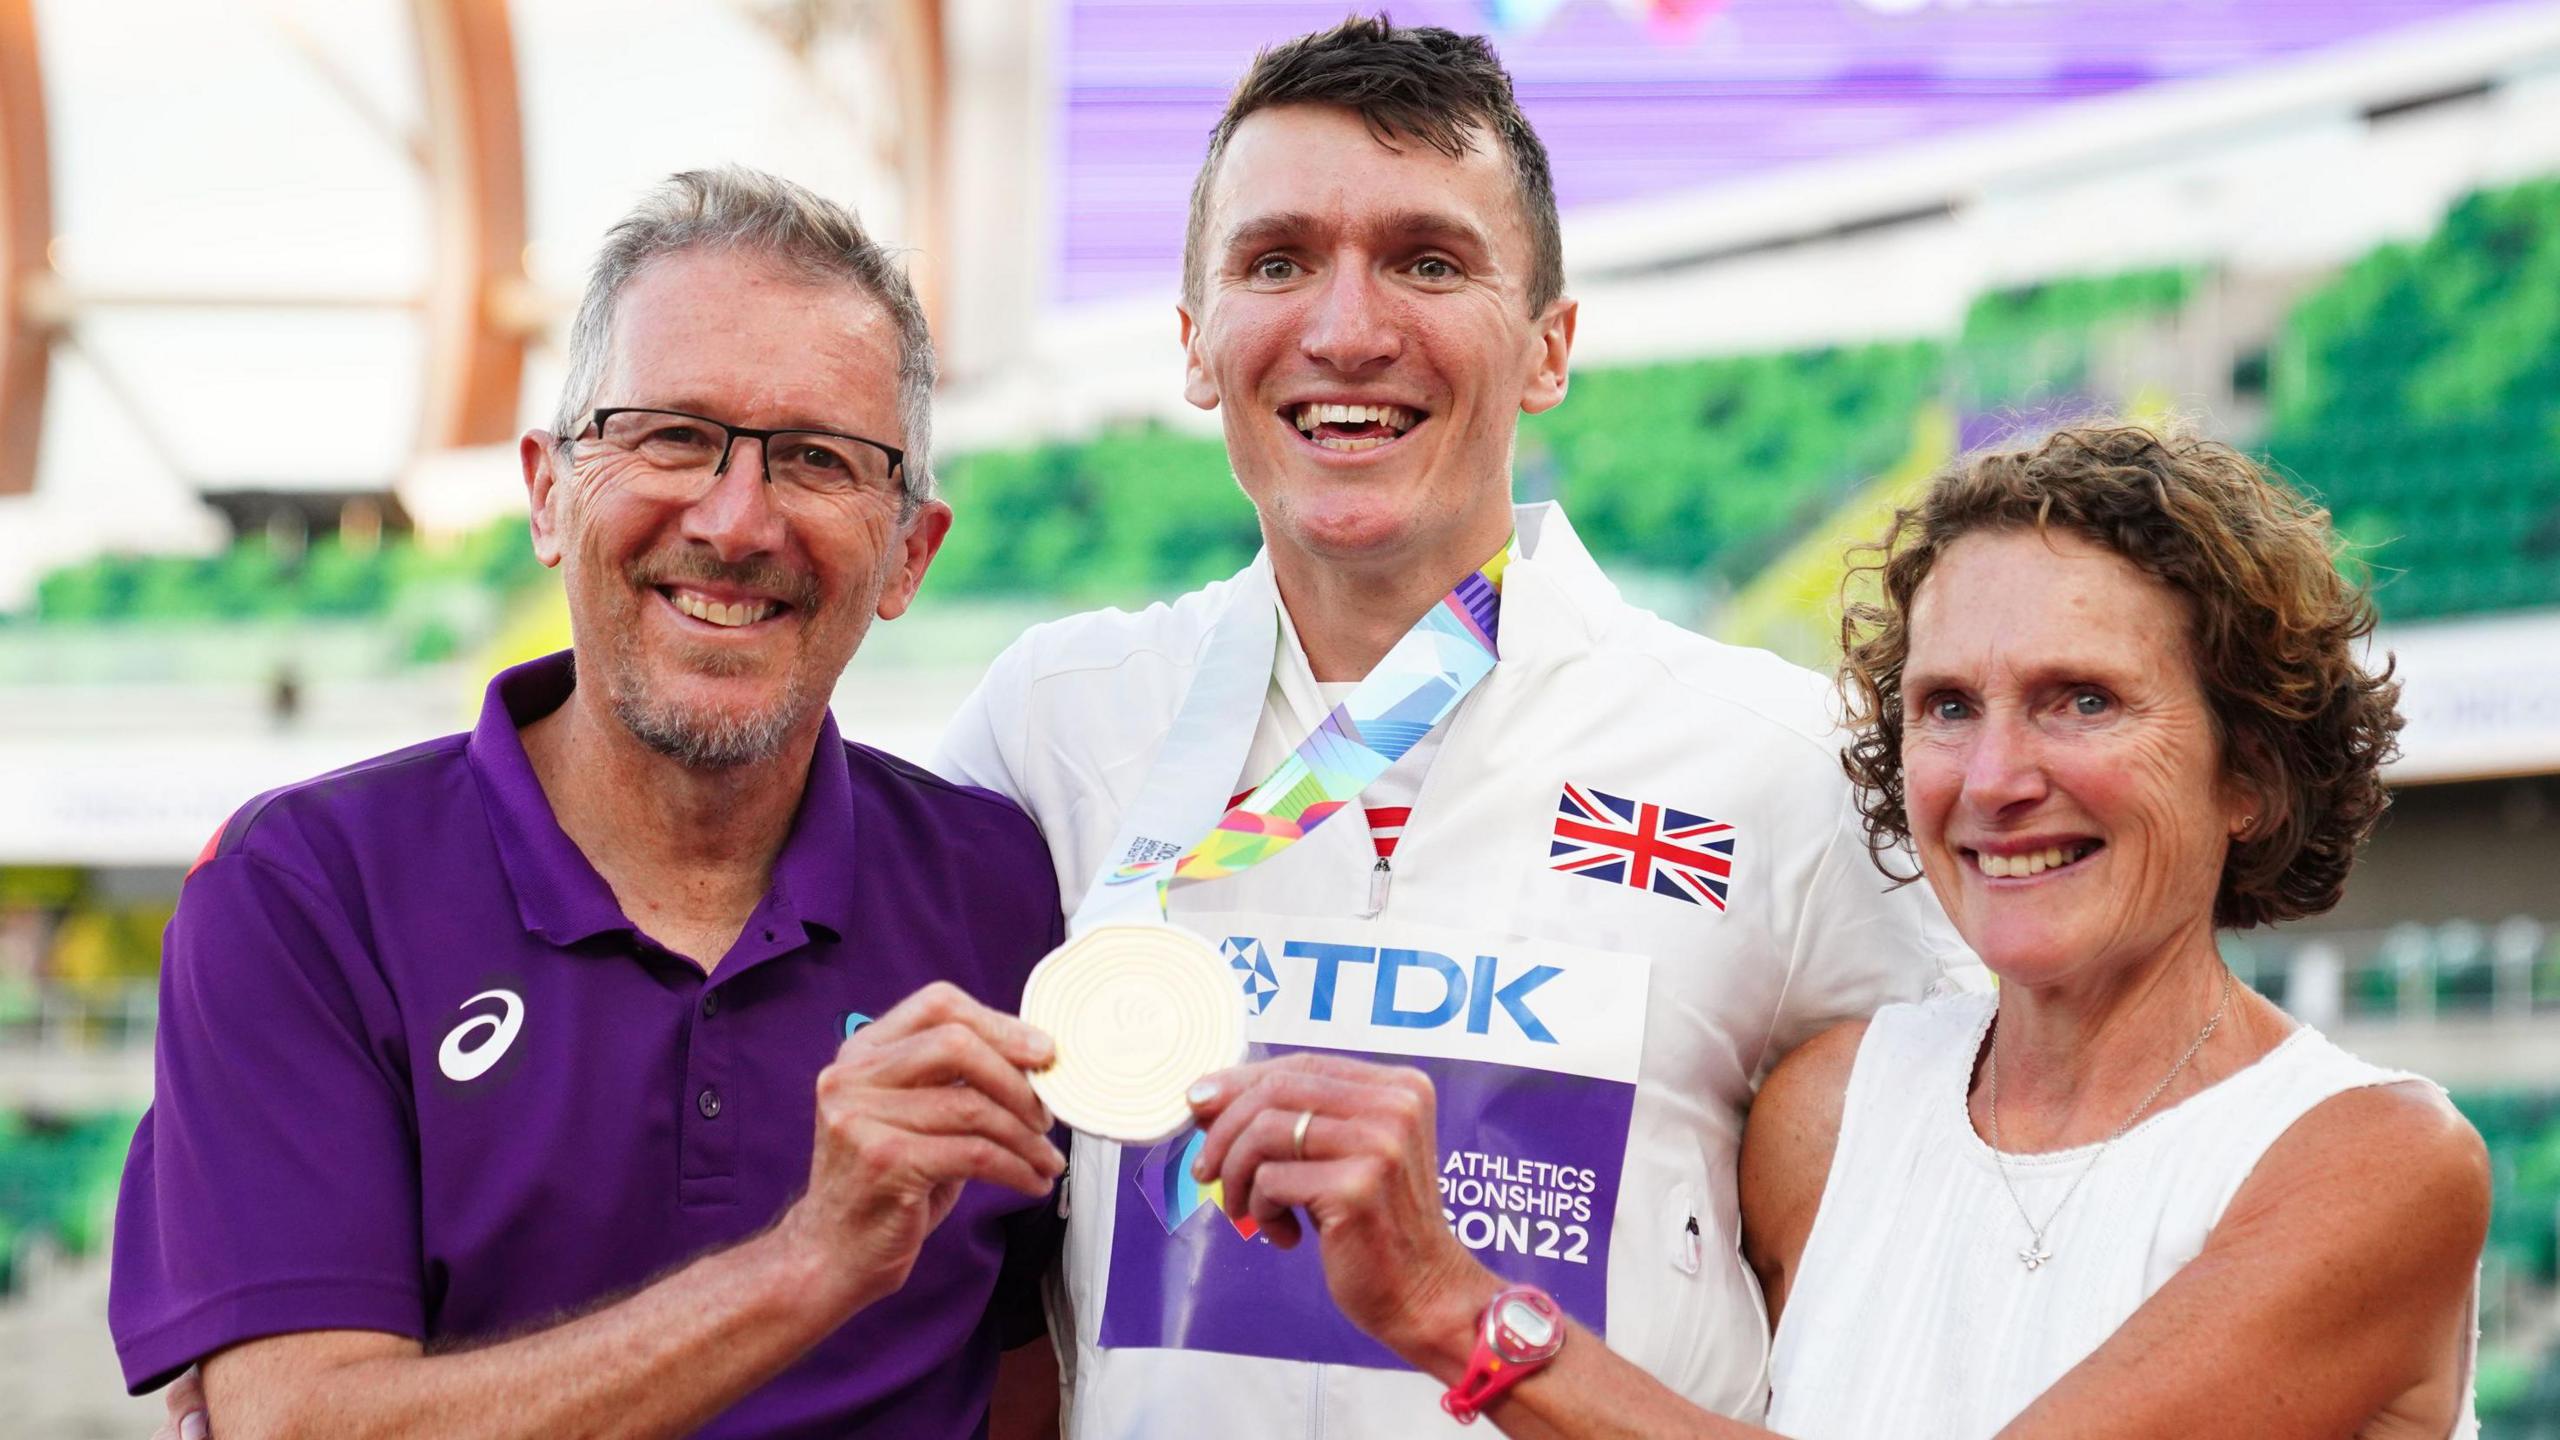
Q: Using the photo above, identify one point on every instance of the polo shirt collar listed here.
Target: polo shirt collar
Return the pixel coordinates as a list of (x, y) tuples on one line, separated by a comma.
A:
[(813, 877), (558, 893)]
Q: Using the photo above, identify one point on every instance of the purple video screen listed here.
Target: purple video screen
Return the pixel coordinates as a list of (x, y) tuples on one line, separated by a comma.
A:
[(1642, 97)]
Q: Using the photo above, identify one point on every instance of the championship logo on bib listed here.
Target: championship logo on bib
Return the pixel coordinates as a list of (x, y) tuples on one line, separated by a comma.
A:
[(1533, 1048)]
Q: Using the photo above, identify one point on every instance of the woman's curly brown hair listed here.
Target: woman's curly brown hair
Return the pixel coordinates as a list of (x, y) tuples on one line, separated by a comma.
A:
[(2301, 723)]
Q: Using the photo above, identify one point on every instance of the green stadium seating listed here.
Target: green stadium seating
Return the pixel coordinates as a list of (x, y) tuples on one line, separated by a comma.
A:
[(350, 612), (2418, 395), (2519, 1393), (58, 1181), (1130, 512), (1711, 467), (2036, 345), (252, 580), (2438, 449)]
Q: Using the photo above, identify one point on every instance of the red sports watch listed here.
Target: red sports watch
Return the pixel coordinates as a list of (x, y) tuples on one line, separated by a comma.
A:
[(1521, 1331)]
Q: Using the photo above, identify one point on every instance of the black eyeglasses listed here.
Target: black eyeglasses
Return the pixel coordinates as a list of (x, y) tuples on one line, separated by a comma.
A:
[(680, 456)]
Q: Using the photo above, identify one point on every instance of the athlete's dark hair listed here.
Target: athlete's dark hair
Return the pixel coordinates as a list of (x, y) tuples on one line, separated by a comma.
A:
[(1410, 82), (2274, 628)]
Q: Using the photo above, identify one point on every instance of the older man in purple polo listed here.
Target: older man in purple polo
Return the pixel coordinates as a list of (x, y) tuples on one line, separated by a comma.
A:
[(489, 1070)]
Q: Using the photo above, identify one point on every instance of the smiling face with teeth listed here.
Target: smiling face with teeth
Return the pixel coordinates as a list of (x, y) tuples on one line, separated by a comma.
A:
[(716, 630), (2065, 782), (1364, 327)]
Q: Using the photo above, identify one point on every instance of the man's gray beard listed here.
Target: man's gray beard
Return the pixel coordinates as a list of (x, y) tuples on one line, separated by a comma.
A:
[(718, 742)]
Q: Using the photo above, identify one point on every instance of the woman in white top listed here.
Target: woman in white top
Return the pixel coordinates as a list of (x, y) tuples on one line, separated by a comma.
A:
[(2109, 696)]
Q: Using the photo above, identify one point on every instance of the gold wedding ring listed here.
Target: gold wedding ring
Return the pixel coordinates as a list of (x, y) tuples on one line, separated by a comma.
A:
[(1298, 1134)]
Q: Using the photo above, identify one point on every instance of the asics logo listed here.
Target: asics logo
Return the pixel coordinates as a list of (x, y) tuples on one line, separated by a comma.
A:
[(471, 1047)]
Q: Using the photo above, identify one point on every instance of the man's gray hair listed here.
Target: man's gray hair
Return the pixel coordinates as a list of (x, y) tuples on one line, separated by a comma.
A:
[(748, 211)]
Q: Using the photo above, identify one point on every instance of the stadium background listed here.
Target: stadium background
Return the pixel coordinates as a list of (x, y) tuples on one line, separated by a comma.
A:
[(280, 280)]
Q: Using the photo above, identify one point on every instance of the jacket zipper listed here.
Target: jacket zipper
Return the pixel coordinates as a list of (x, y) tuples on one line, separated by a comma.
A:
[(1380, 875)]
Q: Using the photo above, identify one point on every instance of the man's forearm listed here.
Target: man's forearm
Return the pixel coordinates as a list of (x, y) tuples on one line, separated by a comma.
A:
[(660, 1362), (926, 1100)]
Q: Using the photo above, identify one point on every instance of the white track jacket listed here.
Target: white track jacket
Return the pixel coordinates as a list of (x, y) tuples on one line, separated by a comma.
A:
[(1631, 880)]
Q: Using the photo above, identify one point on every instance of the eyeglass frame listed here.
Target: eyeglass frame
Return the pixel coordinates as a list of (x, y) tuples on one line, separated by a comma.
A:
[(596, 418)]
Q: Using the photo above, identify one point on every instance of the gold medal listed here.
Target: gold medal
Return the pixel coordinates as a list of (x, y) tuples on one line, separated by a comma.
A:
[(1139, 1014)]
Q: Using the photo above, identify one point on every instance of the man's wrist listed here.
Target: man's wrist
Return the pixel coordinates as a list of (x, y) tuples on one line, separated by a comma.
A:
[(806, 1275)]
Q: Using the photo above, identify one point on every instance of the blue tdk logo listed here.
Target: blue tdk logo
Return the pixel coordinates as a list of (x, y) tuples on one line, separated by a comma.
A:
[(1454, 992), (1252, 965)]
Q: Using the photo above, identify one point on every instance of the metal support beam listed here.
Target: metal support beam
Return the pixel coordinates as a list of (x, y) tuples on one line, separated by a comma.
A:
[(480, 314), (908, 45), (351, 89), (923, 67), (27, 305)]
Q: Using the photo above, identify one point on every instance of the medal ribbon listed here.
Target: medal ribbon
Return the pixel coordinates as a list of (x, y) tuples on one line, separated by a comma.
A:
[(1417, 684)]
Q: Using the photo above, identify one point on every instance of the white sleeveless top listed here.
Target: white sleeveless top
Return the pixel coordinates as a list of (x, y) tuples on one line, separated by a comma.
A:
[(1911, 1314)]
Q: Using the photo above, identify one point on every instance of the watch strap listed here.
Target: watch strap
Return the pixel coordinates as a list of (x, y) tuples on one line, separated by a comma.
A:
[(1489, 1372)]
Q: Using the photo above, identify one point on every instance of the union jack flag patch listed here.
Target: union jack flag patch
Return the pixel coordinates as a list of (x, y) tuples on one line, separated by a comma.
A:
[(1638, 843)]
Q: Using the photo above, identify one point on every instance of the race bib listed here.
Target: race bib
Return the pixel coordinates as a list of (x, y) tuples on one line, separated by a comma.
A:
[(1533, 1047)]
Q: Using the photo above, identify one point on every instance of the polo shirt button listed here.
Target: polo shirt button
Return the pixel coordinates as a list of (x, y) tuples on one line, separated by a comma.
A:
[(710, 1004), (708, 1102)]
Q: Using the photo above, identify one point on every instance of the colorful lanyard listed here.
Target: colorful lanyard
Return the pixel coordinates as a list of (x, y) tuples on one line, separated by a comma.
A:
[(1417, 684)]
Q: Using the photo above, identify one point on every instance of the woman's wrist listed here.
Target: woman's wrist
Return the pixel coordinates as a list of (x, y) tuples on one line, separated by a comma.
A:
[(1437, 1335)]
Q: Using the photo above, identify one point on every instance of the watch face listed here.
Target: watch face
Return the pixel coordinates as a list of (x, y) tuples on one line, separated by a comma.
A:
[(1529, 1326)]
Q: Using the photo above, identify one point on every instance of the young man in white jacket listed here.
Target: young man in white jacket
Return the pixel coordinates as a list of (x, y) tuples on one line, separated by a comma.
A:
[(1593, 905)]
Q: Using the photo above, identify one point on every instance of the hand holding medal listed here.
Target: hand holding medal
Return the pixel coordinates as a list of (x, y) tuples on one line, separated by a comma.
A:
[(1142, 1011), (1139, 1013)]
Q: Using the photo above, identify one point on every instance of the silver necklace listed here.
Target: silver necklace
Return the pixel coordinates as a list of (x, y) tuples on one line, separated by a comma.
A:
[(2035, 1254)]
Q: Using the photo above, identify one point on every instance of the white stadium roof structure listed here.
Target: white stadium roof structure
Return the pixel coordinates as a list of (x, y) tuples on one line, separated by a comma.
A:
[(383, 274)]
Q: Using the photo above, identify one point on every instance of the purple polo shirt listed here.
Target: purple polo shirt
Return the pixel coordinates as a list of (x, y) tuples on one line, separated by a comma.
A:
[(355, 1128)]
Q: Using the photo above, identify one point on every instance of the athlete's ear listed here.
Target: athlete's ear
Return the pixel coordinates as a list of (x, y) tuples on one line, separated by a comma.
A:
[(1198, 386), (542, 456), (1546, 387)]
